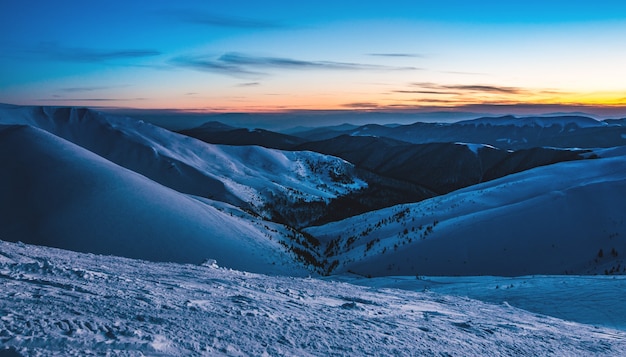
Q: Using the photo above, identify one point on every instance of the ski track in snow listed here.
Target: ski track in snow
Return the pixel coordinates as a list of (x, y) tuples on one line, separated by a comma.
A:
[(55, 302)]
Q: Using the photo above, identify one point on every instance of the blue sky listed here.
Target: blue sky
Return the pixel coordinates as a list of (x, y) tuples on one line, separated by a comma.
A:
[(279, 55)]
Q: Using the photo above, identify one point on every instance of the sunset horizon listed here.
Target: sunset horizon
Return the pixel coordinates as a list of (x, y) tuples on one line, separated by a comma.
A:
[(279, 57)]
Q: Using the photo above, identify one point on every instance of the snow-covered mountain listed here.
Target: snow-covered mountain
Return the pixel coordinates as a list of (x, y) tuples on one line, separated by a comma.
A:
[(102, 184), (438, 167), (56, 193), (567, 218), (268, 182), (214, 133), (506, 132), (61, 303), (563, 121)]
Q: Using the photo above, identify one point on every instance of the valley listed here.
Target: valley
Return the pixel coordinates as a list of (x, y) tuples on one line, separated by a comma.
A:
[(369, 210)]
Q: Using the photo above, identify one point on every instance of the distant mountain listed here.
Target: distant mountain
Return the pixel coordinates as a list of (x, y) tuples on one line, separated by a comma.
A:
[(438, 167), (504, 132), (59, 194), (620, 122), (83, 180), (222, 134), (213, 126), (567, 218), (564, 122), (304, 129)]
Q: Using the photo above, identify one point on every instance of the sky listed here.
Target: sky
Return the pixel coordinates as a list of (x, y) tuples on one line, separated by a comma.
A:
[(274, 56)]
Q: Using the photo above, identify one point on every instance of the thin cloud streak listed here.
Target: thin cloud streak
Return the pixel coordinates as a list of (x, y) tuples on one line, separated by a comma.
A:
[(361, 105), (59, 99), (240, 65), (289, 63), (470, 88), (90, 55), (89, 89), (213, 66), (492, 89)]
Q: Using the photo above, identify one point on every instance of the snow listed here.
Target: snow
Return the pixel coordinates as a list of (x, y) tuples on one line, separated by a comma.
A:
[(548, 220), (475, 147), (61, 195), (590, 299), (545, 121), (56, 302), (243, 176), (189, 212)]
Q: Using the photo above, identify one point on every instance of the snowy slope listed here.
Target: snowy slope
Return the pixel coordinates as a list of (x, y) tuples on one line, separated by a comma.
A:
[(56, 302), (567, 218), (588, 299), (55, 193), (249, 177)]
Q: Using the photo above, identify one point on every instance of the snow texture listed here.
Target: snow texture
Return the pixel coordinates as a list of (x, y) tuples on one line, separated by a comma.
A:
[(243, 176), (61, 303), (59, 194), (566, 218), (589, 299)]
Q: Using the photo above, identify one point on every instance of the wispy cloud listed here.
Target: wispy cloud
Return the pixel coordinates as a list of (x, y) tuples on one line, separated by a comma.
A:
[(214, 66), (249, 84), (60, 99), (446, 88), (482, 88), (238, 65), (361, 105), (89, 55), (89, 89), (214, 20), (409, 55)]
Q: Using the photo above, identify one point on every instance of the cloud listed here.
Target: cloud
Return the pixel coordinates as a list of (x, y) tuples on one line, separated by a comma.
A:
[(361, 105), (60, 99), (90, 55), (288, 63), (249, 84), (470, 88), (213, 20), (89, 89), (410, 55), (237, 64), (482, 88), (214, 66)]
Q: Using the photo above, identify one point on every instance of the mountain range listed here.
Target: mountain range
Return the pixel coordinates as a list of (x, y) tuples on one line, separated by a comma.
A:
[(239, 227), (369, 204)]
